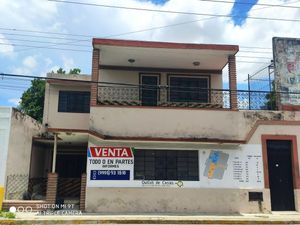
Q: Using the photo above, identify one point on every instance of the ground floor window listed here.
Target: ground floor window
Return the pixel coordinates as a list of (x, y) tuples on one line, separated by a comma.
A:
[(166, 165)]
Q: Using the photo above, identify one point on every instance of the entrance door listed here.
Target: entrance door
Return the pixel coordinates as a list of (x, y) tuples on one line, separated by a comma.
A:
[(280, 175), (149, 90)]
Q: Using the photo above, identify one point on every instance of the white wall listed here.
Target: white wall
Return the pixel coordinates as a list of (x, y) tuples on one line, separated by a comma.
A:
[(5, 117)]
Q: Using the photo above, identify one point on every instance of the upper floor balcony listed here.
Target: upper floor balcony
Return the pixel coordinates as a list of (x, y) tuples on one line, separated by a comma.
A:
[(159, 74), (187, 97)]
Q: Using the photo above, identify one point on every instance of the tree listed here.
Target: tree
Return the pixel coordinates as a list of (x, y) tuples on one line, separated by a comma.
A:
[(32, 100), (72, 71), (61, 71), (75, 71)]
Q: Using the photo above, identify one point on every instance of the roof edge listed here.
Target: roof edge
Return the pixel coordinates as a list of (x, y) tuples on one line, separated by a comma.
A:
[(169, 45)]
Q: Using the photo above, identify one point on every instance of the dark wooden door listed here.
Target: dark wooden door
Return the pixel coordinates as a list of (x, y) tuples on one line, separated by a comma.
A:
[(280, 175), (149, 90)]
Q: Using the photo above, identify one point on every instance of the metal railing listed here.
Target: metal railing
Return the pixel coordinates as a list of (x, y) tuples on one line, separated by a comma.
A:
[(190, 97), (68, 187), (21, 187)]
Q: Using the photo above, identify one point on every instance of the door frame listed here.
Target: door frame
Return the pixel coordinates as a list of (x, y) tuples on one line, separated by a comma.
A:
[(158, 75), (294, 157)]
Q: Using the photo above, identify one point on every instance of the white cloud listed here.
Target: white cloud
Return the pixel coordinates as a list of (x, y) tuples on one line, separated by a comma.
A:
[(30, 62), (68, 63), (48, 61), (29, 65), (101, 22), (14, 101), (5, 46)]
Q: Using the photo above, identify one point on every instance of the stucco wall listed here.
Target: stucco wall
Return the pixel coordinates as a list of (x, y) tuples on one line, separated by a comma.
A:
[(56, 119), (163, 200), (22, 129), (179, 123)]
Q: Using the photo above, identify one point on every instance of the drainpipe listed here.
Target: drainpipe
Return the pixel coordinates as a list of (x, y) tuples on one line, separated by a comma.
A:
[(54, 153)]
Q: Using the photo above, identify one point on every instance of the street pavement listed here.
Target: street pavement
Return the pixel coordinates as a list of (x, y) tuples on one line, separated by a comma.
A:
[(34, 219)]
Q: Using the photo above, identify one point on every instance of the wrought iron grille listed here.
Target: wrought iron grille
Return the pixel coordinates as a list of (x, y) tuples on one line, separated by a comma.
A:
[(68, 187), (163, 96)]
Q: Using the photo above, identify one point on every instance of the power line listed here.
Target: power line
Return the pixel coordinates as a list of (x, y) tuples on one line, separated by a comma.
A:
[(263, 52), (43, 47), (242, 46), (238, 61), (89, 81), (121, 34), (88, 40), (88, 51), (174, 12), (44, 32), (256, 57), (44, 42), (47, 37), (251, 3)]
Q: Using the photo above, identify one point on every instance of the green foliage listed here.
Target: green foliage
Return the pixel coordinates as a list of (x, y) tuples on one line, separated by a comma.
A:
[(8, 215), (61, 71), (75, 71), (72, 71), (32, 100), (271, 98)]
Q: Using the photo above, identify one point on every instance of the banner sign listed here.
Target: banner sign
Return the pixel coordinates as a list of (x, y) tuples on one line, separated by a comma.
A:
[(230, 168), (110, 163), (287, 69)]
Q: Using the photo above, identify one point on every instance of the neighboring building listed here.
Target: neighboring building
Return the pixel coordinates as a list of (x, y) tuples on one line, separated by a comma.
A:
[(16, 137), (164, 136)]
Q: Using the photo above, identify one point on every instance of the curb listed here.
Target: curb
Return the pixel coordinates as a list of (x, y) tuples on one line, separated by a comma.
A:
[(140, 221)]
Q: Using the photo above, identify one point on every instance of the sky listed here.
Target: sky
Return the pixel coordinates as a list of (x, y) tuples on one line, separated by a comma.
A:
[(49, 35)]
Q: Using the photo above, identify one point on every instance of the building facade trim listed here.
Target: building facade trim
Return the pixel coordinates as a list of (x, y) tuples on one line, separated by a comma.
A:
[(171, 45)]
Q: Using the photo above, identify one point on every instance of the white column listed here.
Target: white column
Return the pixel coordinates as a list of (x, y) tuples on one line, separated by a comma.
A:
[(54, 153)]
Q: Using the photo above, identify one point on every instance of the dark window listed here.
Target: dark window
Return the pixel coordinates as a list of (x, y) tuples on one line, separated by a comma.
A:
[(166, 165), (188, 89), (74, 101)]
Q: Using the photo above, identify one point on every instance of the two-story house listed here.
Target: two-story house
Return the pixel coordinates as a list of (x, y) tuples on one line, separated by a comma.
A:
[(163, 135)]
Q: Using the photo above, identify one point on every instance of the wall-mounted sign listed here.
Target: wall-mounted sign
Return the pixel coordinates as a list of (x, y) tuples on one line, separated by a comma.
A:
[(230, 168), (110, 163), (287, 68)]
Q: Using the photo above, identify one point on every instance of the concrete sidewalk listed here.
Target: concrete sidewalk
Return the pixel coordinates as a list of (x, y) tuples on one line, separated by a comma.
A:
[(274, 218)]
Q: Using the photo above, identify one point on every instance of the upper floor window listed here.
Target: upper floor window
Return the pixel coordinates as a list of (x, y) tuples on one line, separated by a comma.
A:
[(74, 101), (189, 89)]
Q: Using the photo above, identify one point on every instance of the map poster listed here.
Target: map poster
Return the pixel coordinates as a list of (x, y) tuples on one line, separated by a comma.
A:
[(287, 69)]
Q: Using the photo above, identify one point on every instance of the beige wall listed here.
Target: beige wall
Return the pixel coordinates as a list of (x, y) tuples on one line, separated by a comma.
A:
[(41, 160), (175, 200), (23, 129), (132, 77), (56, 119), (179, 123)]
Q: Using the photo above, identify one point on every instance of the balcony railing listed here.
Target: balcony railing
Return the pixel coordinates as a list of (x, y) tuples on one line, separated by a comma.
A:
[(189, 97)]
